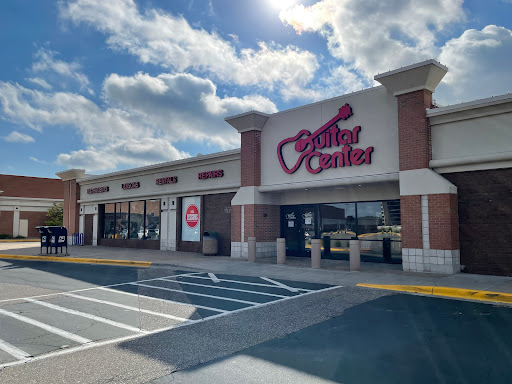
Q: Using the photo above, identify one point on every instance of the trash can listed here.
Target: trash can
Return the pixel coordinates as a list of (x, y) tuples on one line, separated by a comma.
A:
[(45, 238), (58, 239), (210, 243)]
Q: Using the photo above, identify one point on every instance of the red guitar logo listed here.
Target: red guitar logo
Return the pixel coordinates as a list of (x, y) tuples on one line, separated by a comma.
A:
[(324, 137)]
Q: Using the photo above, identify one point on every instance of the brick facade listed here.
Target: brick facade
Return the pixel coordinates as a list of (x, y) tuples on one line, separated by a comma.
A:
[(262, 222), (31, 187), (6, 218), (443, 221), (251, 159), (217, 217), (485, 217), (236, 222), (414, 130), (71, 206), (34, 219)]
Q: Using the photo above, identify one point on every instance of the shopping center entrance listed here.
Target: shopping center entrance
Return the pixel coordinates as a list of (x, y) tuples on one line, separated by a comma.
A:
[(376, 224)]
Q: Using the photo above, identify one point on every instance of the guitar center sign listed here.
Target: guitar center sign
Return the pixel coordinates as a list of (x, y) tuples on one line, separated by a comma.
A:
[(308, 145)]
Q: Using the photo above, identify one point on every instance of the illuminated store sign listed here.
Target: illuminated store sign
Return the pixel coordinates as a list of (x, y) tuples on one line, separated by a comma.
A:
[(308, 144), (210, 174), (132, 185), (97, 190), (167, 180)]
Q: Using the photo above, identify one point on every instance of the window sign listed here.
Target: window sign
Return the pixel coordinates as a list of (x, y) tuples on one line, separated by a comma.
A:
[(191, 219)]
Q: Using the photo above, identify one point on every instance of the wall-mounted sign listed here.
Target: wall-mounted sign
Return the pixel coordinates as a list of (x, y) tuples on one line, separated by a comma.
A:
[(132, 185), (97, 190), (191, 219), (307, 145), (210, 174), (167, 180)]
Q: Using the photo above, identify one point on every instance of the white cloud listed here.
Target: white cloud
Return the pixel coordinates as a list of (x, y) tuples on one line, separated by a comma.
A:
[(170, 41), (36, 160), (478, 63), (142, 122), (45, 61), (41, 82), (16, 137), (376, 36)]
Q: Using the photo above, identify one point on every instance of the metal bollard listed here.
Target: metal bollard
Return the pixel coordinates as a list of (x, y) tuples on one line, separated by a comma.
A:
[(281, 250), (355, 255), (251, 256), (316, 253)]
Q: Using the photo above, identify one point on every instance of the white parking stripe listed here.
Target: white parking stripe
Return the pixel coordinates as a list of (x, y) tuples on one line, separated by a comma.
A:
[(228, 289), (242, 282), (129, 307), (13, 351), (214, 278), (87, 315), (46, 327), (197, 294), (164, 300), (291, 289)]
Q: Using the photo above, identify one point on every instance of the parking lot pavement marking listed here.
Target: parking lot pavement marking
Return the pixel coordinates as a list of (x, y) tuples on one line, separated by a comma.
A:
[(244, 282), (46, 327), (13, 351), (225, 288), (88, 316), (164, 300), (214, 278), (196, 294), (291, 289), (182, 319)]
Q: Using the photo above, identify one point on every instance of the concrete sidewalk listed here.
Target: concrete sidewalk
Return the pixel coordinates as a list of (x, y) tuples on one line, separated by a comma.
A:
[(334, 272)]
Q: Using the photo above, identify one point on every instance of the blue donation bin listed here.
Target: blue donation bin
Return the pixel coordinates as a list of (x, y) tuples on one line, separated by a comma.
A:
[(45, 238), (58, 239)]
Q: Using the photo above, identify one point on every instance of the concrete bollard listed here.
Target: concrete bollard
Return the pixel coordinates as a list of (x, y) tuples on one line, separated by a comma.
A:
[(281, 250), (251, 256), (355, 255), (316, 253)]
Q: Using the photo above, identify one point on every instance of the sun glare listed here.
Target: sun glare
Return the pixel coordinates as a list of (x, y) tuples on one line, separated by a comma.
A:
[(282, 4)]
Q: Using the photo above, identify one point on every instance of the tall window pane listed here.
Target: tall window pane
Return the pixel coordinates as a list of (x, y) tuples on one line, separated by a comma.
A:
[(152, 219), (137, 219), (121, 220), (109, 223), (338, 223)]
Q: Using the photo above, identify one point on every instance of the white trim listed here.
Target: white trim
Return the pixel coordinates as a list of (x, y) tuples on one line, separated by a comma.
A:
[(31, 199), (87, 316), (409, 67), (490, 101), (46, 327), (474, 159)]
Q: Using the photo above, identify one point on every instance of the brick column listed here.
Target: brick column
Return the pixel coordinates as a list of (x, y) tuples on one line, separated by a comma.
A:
[(251, 214), (430, 236), (71, 219)]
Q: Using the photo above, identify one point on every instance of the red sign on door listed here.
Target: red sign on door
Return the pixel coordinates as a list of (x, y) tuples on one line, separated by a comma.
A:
[(192, 215)]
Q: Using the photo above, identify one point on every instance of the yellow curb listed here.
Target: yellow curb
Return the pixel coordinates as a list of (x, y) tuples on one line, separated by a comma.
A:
[(19, 240), (78, 260), (471, 294)]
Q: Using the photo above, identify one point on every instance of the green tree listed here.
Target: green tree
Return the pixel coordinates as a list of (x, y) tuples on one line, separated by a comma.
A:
[(55, 215)]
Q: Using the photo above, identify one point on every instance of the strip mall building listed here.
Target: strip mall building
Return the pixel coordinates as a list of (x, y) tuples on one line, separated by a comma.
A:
[(430, 187)]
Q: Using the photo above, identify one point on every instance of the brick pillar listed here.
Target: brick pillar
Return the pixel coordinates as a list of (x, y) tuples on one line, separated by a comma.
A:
[(251, 159), (430, 236), (71, 219)]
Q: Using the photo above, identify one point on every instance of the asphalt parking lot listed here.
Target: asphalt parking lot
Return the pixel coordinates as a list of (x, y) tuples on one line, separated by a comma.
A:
[(37, 327)]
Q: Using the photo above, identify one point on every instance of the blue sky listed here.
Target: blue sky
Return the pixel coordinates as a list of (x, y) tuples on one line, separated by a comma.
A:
[(113, 84)]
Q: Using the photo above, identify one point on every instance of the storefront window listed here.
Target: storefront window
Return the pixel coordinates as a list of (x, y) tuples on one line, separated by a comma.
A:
[(152, 219), (137, 219), (109, 227), (338, 224), (121, 220)]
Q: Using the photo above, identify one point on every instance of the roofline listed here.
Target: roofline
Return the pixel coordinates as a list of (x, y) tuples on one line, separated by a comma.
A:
[(479, 103), (412, 66), (30, 177)]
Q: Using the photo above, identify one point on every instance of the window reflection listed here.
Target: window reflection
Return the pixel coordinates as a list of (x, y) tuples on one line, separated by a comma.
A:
[(109, 227), (121, 220), (136, 219), (152, 219)]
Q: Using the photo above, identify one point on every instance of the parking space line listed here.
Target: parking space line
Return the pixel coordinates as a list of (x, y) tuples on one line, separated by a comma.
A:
[(182, 319), (46, 327), (13, 351), (164, 300), (214, 278), (228, 289), (197, 294), (243, 282), (88, 316), (281, 285)]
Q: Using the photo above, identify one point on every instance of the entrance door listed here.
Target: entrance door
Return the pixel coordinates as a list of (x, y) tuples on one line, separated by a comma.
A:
[(299, 226), (23, 227)]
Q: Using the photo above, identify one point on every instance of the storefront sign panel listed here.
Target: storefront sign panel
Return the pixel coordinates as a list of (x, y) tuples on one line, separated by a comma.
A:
[(191, 219)]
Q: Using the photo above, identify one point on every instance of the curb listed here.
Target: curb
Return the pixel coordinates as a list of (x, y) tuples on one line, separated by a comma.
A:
[(61, 259), (460, 293)]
